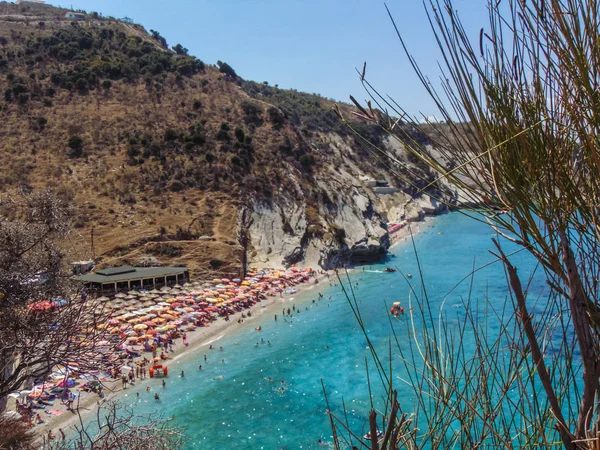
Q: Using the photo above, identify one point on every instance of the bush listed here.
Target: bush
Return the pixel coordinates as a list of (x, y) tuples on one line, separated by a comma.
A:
[(75, 143), (171, 135), (307, 161), (276, 117), (239, 134)]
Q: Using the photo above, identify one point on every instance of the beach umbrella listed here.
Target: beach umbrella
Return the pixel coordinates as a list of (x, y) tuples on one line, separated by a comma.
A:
[(65, 382), (120, 295), (136, 293), (151, 332), (140, 326)]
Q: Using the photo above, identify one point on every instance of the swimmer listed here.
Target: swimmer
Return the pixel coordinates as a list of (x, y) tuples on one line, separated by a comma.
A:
[(269, 343), (200, 367), (222, 361), (221, 348), (164, 384), (147, 388), (182, 374), (204, 358), (156, 397)]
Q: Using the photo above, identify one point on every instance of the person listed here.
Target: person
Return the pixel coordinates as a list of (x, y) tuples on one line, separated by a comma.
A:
[(182, 375), (39, 419), (62, 434), (204, 358), (275, 317), (222, 361), (124, 381), (137, 394), (185, 339), (164, 384), (221, 348), (269, 343), (147, 388), (156, 397), (200, 367), (50, 435), (210, 347)]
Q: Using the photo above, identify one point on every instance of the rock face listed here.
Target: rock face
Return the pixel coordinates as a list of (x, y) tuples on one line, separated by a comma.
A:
[(346, 225)]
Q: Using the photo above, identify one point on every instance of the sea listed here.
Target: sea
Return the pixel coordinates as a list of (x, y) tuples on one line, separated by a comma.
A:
[(264, 389)]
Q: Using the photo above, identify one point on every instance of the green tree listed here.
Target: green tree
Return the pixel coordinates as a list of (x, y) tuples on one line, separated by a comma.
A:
[(180, 49), (226, 69)]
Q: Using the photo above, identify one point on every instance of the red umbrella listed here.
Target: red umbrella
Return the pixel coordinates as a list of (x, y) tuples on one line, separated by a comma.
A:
[(152, 332)]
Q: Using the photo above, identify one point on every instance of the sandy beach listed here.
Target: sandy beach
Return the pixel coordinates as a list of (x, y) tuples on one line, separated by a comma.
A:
[(198, 340)]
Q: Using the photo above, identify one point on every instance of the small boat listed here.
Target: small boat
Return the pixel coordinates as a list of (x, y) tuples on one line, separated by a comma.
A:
[(409, 275), (389, 270), (368, 435)]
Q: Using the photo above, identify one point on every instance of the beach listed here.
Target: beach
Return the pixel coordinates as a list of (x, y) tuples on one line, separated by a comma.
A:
[(199, 341)]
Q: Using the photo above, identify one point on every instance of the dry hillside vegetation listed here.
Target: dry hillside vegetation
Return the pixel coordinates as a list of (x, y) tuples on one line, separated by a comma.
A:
[(158, 151)]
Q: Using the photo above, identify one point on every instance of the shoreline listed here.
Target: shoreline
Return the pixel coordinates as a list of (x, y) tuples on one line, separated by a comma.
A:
[(88, 402)]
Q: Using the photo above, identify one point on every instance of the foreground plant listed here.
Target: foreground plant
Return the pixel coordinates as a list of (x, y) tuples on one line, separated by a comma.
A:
[(520, 142), (37, 335), (117, 427)]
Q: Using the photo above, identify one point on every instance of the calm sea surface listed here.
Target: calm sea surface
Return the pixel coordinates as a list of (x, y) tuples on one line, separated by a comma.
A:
[(270, 397)]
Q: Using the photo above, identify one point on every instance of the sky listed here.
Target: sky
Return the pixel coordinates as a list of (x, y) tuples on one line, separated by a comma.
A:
[(313, 46)]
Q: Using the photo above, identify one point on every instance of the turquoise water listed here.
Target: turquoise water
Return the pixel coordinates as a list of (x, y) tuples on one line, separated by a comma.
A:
[(234, 405)]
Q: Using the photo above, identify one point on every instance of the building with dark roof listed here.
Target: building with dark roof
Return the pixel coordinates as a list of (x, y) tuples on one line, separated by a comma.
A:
[(120, 278)]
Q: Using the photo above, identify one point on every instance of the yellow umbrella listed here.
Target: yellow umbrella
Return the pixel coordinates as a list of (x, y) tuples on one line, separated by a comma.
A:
[(140, 326)]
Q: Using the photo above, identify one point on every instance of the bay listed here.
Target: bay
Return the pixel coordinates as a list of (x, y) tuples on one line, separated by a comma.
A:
[(263, 390)]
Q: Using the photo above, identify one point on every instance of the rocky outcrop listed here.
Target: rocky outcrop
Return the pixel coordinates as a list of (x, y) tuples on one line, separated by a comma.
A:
[(344, 224)]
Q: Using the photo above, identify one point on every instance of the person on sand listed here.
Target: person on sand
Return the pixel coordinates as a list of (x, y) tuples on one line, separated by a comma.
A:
[(39, 419), (185, 339), (62, 434), (50, 435)]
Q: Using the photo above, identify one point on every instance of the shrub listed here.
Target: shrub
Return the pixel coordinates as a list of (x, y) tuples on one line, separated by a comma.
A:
[(75, 143), (276, 117), (171, 135), (239, 134)]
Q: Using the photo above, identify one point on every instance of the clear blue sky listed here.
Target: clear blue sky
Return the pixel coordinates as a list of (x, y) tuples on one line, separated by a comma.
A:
[(309, 45)]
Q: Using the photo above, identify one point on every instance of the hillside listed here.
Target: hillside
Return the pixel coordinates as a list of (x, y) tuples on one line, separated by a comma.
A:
[(168, 159)]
